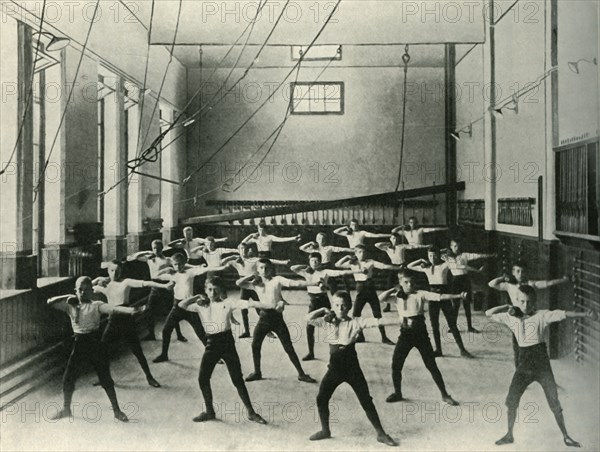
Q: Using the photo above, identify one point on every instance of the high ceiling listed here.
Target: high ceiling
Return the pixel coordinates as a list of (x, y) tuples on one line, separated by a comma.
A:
[(372, 32)]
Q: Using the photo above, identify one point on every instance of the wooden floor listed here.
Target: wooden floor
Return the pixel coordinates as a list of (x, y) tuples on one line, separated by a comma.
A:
[(161, 418)]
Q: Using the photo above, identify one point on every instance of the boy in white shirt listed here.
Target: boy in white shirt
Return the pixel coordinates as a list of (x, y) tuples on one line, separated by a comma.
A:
[(344, 367), (529, 327), (264, 241), (85, 320), (216, 312)]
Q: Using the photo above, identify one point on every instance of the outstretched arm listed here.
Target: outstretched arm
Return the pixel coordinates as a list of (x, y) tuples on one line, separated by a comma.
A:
[(280, 261), (398, 230), (549, 283), (299, 269), (295, 238), (108, 309), (449, 297), (373, 235), (434, 229), (382, 266), (575, 315), (142, 256), (176, 243)]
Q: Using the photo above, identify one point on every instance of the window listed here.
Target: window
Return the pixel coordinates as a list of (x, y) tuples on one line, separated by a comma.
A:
[(319, 52), (318, 98)]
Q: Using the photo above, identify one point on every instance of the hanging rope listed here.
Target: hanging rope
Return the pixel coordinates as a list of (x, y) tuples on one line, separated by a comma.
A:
[(405, 60)]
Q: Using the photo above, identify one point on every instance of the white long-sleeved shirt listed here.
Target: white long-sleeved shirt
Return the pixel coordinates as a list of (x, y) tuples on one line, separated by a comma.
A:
[(117, 292), (184, 281), (346, 332), (156, 264), (513, 290), (414, 303), (317, 276), (216, 317), (436, 274), (270, 291), (530, 330), (458, 264), (85, 317)]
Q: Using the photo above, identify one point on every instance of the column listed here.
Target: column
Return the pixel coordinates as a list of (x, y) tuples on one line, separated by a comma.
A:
[(17, 266)]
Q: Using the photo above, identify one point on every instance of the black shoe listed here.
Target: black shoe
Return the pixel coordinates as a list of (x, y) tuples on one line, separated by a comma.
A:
[(466, 354), (254, 376), (386, 439), (308, 357), (203, 417), (181, 339), (323, 434), (306, 378), (387, 308), (360, 338), (473, 330), (438, 353), (387, 341), (245, 335), (160, 359), (394, 397)]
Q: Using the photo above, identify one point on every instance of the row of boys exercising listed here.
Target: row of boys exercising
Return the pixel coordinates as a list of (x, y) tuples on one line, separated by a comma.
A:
[(215, 309)]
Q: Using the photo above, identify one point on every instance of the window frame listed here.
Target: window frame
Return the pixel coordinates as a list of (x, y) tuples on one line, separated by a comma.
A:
[(342, 89)]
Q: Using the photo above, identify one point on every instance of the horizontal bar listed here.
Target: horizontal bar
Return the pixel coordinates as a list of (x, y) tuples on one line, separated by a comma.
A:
[(585, 272), (324, 205), (581, 297), (579, 261)]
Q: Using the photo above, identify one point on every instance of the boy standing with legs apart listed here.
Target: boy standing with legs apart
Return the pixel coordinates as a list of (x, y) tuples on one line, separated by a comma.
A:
[(216, 312), (184, 288), (85, 321), (318, 275), (246, 266), (437, 274), (342, 332), (413, 333), (117, 292), (365, 286), (157, 262), (264, 241), (529, 327), (511, 285), (268, 287)]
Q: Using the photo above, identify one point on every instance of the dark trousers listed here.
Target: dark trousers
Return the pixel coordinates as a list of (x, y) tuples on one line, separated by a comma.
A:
[(221, 346), (124, 327), (345, 368), (317, 301), (460, 284), (88, 348), (366, 294), (176, 315), (414, 335), (247, 294), (332, 282), (449, 313), (533, 365), (272, 321), (156, 300)]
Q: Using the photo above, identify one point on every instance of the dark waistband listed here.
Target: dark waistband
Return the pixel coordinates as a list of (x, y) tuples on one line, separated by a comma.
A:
[(339, 348), (414, 321), (537, 348), (438, 288), (219, 336), (367, 283)]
